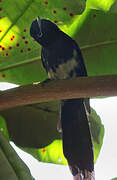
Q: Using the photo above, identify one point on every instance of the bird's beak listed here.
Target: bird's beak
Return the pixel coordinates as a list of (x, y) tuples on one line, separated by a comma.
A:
[(39, 24)]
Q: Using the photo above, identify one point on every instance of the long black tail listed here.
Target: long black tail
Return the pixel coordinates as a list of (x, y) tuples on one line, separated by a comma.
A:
[(77, 142)]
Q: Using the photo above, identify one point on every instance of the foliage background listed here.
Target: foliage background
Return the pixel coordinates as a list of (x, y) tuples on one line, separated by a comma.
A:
[(92, 24)]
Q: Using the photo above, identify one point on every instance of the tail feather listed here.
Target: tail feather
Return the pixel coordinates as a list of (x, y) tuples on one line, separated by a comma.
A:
[(77, 142)]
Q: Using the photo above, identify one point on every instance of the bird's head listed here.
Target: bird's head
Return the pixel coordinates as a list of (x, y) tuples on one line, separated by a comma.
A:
[(44, 31)]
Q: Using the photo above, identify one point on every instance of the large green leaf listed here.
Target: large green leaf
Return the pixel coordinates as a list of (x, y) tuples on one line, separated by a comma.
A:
[(11, 166), (97, 36), (33, 125), (34, 129), (17, 48), (95, 30)]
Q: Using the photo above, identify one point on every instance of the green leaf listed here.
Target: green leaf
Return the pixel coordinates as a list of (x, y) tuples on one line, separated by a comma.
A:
[(94, 30), (114, 7), (35, 127), (114, 179), (3, 127), (97, 130), (12, 167), (52, 153), (100, 5), (6, 171), (96, 33), (17, 48)]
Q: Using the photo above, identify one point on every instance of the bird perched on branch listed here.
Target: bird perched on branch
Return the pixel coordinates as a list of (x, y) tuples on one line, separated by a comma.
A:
[(62, 59)]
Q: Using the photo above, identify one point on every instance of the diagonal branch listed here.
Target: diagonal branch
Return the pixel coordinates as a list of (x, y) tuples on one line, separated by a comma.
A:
[(82, 87)]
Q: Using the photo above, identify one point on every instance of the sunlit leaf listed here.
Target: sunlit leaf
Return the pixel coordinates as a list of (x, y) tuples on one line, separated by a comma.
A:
[(17, 48), (100, 4), (94, 30)]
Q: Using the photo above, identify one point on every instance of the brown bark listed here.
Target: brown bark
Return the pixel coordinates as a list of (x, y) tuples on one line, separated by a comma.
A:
[(82, 87)]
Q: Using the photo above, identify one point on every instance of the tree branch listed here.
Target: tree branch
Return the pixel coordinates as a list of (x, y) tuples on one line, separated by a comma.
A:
[(82, 87)]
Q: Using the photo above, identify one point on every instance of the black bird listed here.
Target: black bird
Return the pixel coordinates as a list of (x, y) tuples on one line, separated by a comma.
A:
[(62, 59)]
